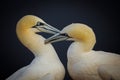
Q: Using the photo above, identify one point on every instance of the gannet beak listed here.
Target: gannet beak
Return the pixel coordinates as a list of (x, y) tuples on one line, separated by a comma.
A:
[(57, 37), (44, 27)]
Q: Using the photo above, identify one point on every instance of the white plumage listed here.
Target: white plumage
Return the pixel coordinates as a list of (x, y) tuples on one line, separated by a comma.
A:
[(46, 64), (83, 62), (92, 65)]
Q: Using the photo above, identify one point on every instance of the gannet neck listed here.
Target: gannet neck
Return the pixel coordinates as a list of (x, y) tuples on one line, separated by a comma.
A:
[(34, 42), (81, 33)]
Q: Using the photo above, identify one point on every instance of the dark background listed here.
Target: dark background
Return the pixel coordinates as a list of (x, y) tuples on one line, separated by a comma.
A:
[(102, 16)]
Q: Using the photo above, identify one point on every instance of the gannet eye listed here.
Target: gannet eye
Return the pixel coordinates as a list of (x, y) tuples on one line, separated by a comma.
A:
[(39, 24)]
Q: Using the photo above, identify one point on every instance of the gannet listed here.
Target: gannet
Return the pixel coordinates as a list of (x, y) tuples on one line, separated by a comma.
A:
[(84, 63), (46, 65)]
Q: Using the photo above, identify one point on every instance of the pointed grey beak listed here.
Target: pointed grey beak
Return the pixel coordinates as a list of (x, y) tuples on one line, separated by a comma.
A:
[(57, 37), (44, 27)]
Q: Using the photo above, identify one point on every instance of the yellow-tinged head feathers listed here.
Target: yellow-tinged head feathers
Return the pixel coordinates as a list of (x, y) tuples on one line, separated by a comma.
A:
[(24, 27), (81, 32), (28, 21)]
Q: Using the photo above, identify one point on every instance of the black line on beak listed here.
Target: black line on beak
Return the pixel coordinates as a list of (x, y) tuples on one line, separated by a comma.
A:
[(52, 40), (65, 34)]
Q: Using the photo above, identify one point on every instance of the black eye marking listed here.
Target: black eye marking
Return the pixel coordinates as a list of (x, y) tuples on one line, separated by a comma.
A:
[(37, 33), (34, 27), (39, 24), (64, 34)]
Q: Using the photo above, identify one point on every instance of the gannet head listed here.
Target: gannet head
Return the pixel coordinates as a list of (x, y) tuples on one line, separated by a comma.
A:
[(76, 32), (36, 24), (27, 30)]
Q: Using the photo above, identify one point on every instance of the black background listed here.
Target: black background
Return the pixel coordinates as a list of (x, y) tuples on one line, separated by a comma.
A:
[(102, 16)]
